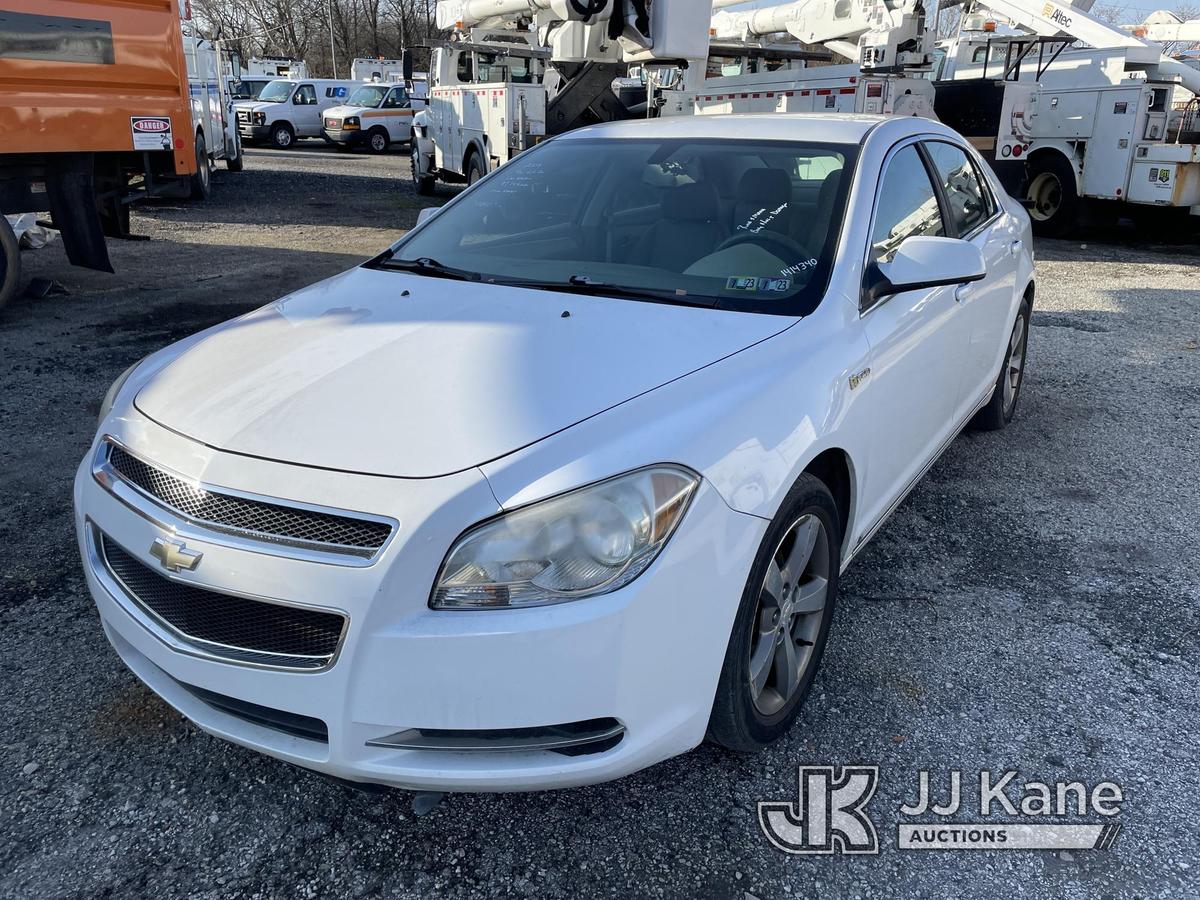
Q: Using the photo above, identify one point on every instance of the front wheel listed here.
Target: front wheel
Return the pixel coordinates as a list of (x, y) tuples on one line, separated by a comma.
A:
[(1003, 405), (377, 141), (237, 162), (423, 183), (282, 136), (783, 622)]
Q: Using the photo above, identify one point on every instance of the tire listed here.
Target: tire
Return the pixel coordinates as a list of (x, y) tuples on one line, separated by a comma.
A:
[(745, 719), (378, 140), (10, 262), (424, 183), (1051, 186), (201, 181), (1000, 410), (236, 163), (282, 136), (474, 169)]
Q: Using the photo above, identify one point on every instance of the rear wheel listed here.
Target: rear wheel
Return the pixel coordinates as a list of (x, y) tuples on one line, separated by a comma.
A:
[(783, 622), (1003, 405), (474, 169), (10, 262), (282, 136), (201, 181), (378, 140), (1054, 202), (237, 162)]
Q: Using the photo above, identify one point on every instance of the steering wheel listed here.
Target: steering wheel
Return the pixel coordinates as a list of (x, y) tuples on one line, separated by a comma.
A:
[(768, 240)]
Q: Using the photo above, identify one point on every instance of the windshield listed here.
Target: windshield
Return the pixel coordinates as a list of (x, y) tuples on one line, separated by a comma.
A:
[(371, 95), (734, 224), (277, 91), (246, 90)]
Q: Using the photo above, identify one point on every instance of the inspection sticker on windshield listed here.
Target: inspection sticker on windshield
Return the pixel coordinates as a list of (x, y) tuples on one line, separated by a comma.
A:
[(151, 132), (753, 283)]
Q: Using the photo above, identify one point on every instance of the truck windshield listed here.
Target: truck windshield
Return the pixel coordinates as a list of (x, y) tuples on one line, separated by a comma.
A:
[(371, 95), (277, 91), (732, 224)]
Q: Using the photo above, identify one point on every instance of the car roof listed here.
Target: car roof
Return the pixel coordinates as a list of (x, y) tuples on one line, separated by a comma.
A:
[(834, 128)]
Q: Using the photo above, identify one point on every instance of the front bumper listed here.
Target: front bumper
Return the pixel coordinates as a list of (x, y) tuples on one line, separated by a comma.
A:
[(251, 132), (348, 138), (647, 656)]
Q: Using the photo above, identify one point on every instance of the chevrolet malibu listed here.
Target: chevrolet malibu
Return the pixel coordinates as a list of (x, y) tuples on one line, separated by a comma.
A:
[(562, 483)]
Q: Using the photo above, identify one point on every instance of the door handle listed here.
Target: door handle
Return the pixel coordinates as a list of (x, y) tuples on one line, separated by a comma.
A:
[(964, 292), (1015, 247)]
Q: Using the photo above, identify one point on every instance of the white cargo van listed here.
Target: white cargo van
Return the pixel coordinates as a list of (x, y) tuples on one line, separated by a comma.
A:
[(291, 108), (376, 116)]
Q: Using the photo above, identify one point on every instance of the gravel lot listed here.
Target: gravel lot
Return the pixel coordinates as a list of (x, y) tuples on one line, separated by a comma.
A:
[(1033, 606)]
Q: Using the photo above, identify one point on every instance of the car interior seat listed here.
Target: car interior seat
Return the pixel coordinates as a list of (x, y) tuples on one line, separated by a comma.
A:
[(688, 229)]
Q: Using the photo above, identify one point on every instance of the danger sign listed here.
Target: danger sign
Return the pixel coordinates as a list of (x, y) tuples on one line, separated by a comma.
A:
[(151, 132)]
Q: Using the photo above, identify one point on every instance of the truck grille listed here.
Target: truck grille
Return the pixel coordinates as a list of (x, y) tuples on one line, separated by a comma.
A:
[(254, 518), (235, 628)]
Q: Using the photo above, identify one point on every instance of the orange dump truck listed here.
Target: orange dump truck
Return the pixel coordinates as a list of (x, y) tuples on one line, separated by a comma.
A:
[(97, 109)]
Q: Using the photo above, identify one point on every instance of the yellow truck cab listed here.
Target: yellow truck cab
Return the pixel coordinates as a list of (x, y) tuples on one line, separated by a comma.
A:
[(375, 115)]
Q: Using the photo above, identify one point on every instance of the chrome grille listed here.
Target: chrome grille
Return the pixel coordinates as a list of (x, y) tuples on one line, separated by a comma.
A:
[(236, 628), (255, 518)]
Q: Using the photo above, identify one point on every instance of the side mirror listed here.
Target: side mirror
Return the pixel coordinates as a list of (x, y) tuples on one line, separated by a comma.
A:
[(427, 213), (925, 262)]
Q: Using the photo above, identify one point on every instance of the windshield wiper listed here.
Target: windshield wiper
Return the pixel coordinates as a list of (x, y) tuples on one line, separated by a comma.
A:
[(582, 284), (422, 265)]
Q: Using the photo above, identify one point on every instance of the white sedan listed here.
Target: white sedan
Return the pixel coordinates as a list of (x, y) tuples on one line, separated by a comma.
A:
[(561, 484)]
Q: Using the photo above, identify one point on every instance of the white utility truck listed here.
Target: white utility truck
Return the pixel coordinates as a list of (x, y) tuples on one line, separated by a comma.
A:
[(289, 109), (213, 123), (378, 70), (375, 116), (271, 67)]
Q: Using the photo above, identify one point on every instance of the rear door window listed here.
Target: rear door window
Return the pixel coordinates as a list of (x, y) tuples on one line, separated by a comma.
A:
[(965, 194)]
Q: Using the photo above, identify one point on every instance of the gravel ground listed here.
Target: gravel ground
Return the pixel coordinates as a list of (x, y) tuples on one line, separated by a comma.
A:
[(1032, 606)]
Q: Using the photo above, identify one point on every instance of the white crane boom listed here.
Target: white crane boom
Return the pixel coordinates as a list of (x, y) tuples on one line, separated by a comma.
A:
[(1167, 28)]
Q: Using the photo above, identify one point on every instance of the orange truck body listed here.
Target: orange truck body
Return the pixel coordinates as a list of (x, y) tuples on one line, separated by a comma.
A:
[(75, 74)]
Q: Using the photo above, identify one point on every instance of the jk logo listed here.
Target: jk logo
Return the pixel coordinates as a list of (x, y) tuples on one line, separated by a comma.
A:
[(828, 816)]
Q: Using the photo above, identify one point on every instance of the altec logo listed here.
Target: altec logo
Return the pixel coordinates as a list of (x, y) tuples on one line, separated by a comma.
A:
[(1056, 15), (829, 816)]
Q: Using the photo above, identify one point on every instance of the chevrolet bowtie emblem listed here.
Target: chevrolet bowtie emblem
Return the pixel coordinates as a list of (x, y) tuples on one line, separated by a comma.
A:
[(174, 555)]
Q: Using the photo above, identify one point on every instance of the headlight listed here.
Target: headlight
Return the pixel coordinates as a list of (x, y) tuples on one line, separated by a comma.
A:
[(586, 542), (110, 398), (260, 118), (350, 122)]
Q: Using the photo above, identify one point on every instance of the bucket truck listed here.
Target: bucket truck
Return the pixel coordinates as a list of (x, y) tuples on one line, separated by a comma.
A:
[(515, 71), (1116, 121)]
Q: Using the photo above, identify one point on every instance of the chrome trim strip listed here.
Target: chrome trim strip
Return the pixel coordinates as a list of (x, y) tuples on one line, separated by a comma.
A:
[(132, 496), (179, 641), (414, 739)]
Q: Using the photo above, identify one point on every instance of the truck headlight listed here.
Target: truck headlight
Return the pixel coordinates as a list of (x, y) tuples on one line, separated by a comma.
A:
[(350, 122), (579, 544), (110, 398), (260, 118)]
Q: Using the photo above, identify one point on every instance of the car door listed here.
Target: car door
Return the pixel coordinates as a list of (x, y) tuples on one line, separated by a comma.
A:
[(975, 216), (917, 338), (306, 116), (398, 114)]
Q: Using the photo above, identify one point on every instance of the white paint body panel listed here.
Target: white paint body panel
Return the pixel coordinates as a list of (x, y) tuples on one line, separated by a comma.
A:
[(495, 400)]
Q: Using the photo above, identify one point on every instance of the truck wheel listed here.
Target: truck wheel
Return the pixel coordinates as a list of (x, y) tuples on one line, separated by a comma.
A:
[(1051, 187), (282, 135), (377, 140), (201, 181), (237, 162), (475, 169), (10, 262), (424, 183)]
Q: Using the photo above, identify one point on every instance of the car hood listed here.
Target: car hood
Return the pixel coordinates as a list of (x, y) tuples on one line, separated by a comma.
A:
[(395, 374), (338, 112)]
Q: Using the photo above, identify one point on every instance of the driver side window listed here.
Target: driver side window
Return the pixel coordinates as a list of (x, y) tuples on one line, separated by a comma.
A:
[(306, 95), (907, 205)]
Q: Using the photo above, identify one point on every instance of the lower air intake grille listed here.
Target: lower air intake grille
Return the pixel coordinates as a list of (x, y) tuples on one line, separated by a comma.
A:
[(236, 628)]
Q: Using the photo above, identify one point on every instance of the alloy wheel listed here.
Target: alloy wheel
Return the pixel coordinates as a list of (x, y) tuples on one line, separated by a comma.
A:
[(788, 618), (1015, 365)]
